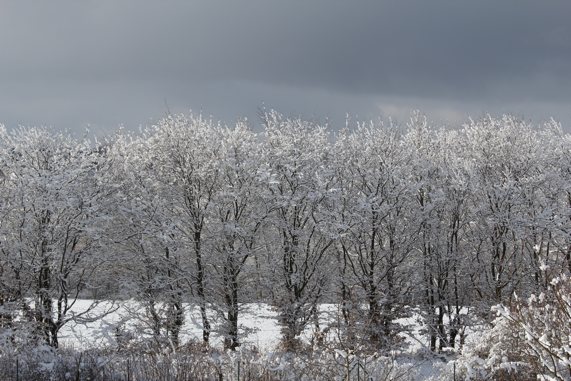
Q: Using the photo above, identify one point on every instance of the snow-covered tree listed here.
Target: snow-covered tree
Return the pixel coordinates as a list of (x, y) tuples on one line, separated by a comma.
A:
[(508, 214), (442, 185), (185, 152), (55, 202), (152, 266), (373, 218), (237, 216), (298, 194)]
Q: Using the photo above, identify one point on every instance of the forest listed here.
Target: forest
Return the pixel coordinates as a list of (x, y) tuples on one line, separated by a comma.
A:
[(465, 230)]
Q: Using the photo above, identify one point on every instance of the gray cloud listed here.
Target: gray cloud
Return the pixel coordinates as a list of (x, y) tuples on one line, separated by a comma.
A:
[(106, 62)]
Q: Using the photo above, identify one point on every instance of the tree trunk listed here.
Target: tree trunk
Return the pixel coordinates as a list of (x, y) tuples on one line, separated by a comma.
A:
[(231, 297), (175, 318), (200, 285)]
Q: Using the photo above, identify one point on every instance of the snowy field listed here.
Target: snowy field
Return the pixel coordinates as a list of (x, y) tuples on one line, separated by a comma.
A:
[(259, 329), (258, 326)]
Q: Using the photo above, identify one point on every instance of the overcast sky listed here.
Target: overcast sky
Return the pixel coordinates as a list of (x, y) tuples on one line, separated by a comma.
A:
[(69, 63)]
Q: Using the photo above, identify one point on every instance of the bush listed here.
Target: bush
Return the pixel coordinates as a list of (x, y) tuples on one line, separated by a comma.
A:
[(544, 323)]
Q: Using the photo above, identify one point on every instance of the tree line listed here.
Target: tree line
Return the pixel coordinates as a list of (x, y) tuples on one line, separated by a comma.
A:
[(377, 218)]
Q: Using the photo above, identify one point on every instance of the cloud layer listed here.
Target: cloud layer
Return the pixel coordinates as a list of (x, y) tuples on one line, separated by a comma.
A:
[(107, 62)]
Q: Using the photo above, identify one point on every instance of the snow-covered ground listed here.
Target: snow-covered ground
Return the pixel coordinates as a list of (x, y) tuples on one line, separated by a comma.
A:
[(258, 324), (259, 328)]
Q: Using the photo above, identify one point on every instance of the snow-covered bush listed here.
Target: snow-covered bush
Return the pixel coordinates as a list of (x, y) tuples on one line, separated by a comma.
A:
[(530, 339), (495, 352), (544, 323)]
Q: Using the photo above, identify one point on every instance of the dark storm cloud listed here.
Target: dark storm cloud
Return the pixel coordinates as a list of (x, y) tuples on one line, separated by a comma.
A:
[(105, 62)]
